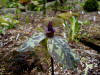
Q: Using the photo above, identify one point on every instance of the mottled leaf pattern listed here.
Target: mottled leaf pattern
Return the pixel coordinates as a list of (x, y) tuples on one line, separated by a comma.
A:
[(34, 40), (62, 53)]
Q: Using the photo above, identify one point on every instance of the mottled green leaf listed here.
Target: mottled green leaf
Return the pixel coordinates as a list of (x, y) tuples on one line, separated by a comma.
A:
[(34, 40), (62, 53)]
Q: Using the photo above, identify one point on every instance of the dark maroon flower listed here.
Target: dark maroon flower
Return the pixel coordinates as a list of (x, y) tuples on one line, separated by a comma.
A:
[(50, 30)]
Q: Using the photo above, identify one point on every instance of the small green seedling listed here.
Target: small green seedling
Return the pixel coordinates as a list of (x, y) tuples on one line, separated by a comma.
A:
[(8, 22), (27, 19), (58, 47), (1, 31), (73, 29)]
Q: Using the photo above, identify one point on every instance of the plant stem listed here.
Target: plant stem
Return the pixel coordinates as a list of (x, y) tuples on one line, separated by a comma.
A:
[(56, 5), (44, 7), (52, 66)]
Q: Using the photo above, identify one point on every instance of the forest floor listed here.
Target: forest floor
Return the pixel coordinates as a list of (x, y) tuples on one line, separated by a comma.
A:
[(13, 38)]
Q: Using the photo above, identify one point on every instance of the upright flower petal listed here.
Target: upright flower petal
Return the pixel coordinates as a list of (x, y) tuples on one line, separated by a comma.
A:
[(50, 28)]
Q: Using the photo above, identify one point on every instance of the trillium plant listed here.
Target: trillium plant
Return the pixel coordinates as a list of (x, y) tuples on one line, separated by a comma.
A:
[(57, 46)]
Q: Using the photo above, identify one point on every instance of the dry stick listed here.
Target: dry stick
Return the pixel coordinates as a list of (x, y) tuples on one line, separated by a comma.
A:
[(52, 67)]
